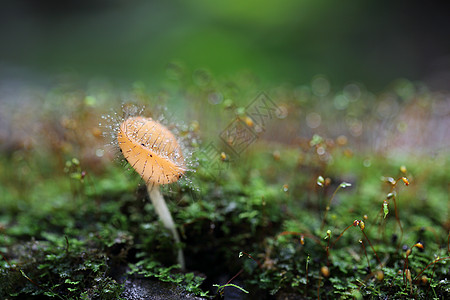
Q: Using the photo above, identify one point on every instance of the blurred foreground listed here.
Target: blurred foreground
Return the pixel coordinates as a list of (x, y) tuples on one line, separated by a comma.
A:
[(253, 217)]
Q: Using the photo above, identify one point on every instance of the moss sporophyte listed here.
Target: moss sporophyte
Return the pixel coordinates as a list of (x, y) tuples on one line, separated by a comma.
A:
[(156, 155)]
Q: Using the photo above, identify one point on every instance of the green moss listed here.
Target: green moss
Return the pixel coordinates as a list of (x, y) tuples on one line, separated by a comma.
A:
[(76, 229)]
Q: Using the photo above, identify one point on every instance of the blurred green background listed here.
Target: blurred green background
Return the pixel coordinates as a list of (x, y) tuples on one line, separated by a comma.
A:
[(373, 42), (361, 87)]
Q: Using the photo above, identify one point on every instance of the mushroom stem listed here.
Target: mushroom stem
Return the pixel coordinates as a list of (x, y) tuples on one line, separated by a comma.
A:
[(165, 216)]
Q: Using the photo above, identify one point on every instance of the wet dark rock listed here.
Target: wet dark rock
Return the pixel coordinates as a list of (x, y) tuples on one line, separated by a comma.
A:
[(147, 289), (290, 296)]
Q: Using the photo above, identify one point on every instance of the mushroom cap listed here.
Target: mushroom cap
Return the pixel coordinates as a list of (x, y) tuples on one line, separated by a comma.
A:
[(151, 149)]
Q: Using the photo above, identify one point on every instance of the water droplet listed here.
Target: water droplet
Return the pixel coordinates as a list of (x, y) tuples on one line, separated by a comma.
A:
[(320, 86), (99, 152)]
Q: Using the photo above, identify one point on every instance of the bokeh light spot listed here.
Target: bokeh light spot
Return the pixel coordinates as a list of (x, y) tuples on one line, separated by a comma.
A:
[(320, 86), (313, 120)]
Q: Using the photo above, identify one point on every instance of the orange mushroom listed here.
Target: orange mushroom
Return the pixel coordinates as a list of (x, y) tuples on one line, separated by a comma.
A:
[(153, 151)]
